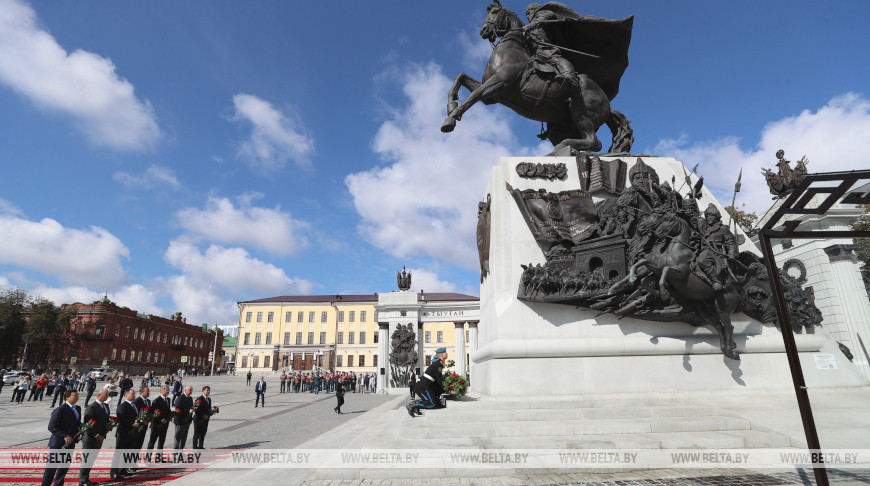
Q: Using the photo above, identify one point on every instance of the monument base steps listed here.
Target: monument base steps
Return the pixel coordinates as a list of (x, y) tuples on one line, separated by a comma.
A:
[(667, 421)]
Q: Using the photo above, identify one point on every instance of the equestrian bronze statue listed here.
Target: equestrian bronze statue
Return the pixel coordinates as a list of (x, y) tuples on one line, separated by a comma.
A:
[(562, 69)]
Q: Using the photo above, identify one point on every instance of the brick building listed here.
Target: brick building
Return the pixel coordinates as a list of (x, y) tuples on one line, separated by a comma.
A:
[(130, 341)]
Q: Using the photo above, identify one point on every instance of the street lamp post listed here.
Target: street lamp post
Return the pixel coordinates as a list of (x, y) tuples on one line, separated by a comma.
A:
[(214, 351)]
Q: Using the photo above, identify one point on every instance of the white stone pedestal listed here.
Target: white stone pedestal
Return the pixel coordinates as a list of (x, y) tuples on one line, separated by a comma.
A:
[(547, 349)]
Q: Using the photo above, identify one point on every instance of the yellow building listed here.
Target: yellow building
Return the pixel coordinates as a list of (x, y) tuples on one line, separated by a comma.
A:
[(343, 332)]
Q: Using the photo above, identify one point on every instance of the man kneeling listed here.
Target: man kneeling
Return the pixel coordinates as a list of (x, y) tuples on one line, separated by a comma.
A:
[(430, 386)]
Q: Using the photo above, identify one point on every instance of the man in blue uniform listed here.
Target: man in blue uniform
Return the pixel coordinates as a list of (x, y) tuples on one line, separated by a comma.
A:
[(430, 386)]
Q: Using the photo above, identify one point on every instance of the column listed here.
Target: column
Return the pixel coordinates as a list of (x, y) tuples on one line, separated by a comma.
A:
[(290, 364), (421, 355), (459, 347), (472, 339), (383, 358), (853, 302)]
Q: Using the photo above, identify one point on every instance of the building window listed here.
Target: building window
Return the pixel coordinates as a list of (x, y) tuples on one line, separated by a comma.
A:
[(139, 357), (247, 338), (466, 335), (268, 338), (136, 333), (376, 338), (256, 363), (322, 338), (270, 317), (350, 360), (375, 360), (151, 336), (323, 316), (350, 339), (311, 316), (165, 337), (114, 353), (340, 316), (124, 354), (288, 317), (340, 338), (338, 360), (440, 336), (127, 332), (286, 338), (298, 338), (248, 316), (362, 360), (362, 316), (95, 354), (143, 334), (300, 316), (362, 337), (267, 361), (259, 317), (244, 361), (148, 357), (118, 330), (350, 317), (428, 336), (310, 338), (256, 339)]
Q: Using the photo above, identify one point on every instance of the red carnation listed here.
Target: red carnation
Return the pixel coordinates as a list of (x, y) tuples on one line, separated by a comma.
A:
[(454, 375), (114, 418), (451, 387), (146, 409), (157, 412), (92, 422), (461, 382)]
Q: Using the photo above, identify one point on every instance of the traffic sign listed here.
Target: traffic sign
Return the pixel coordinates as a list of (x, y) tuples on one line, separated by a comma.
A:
[(210, 355), (105, 362), (184, 359), (73, 360)]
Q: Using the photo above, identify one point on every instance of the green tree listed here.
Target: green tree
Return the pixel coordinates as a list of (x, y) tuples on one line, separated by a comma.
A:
[(46, 323), (13, 307), (745, 219)]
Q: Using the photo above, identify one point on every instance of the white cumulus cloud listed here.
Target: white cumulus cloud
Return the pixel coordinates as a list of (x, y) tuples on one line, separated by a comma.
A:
[(833, 138), (155, 177), (272, 230), (80, 84), (88, 257), (429, 281), (424, 201), (201, 302), (276, 137), (232, 268)]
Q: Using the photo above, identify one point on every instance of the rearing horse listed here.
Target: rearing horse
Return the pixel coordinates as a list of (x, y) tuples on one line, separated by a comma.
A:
[(572, 118), (669, 260)]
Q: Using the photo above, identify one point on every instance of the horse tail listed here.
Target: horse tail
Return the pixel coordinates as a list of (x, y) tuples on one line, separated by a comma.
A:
[(623, 135)]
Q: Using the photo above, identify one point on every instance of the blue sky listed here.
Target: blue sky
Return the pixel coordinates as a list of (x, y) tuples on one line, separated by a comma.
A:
[(183, 156)]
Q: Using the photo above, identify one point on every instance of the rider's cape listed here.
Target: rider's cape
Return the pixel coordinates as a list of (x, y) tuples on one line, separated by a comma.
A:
[(608, 39)]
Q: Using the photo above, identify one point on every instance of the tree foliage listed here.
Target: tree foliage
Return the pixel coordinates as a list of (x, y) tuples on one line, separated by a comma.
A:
[(32, 320), (745, 219)]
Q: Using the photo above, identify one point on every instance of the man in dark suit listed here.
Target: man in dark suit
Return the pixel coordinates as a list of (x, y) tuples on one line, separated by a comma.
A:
[(141, 402), (63, 425), (160, 424), (124, 441), (60, 390), (125, 384), (200, 418), (98, 411), (184, 405), (260, 390), (177, 388), (91, 387)]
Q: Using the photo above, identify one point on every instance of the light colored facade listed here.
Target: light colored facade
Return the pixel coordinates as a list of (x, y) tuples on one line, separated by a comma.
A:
[(331, 332)]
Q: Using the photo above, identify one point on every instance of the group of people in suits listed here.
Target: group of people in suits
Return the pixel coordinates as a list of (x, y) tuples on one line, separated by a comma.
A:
[(130, 433)]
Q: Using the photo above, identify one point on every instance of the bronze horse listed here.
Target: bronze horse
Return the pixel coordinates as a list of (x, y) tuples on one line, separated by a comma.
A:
[(669, 259), (572, 118)]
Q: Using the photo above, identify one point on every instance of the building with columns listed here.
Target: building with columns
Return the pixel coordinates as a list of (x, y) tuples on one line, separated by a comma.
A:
[(351, 333)]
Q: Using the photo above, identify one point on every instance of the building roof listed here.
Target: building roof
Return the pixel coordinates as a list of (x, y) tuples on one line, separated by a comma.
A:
[(357, 298)]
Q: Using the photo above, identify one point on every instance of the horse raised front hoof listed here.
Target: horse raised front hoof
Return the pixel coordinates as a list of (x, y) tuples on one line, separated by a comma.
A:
[(448, 125), (733, 354)]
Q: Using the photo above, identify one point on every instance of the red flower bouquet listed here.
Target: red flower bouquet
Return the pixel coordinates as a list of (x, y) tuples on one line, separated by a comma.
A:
[(82, 429)]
